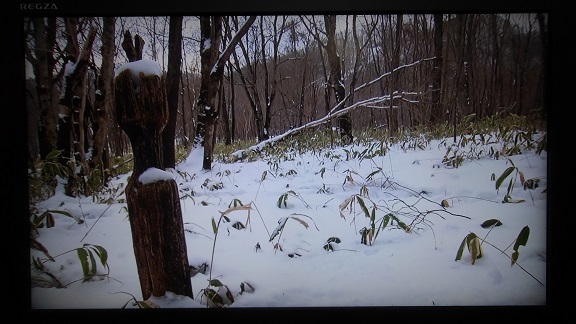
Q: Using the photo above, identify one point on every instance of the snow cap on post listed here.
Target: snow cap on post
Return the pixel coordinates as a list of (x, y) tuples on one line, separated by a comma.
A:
[(147, 67)]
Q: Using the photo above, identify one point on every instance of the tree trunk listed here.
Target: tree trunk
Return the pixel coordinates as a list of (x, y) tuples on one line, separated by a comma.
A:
[(271, 83), (335, 79), (225, 117), (212, 69), (173, 80), (436, 113), (469, 102), (104, 98), (211, 36), (250, 88), (153, 207), (231, 117), (460, 91), (75, 99), (47, 130), (544, 45), (395, 86), (250, 82)]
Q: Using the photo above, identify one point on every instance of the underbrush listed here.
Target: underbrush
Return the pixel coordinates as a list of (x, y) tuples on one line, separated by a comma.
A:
[(497, 137)]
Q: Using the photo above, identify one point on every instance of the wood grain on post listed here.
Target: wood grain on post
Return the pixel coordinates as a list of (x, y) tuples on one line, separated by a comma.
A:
[(153, 207)]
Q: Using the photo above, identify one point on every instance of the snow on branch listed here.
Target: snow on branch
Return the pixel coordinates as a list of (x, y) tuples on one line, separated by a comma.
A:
[(369, 83)]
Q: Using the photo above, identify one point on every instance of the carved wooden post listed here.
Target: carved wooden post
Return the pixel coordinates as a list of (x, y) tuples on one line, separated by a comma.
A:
[(153, 201)]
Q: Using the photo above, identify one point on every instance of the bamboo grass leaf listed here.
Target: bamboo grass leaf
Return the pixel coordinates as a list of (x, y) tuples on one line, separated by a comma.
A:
[(62, 212), (522, 238), (363, 206), (213, 296), (215, 283), (101, 253), (510, 186), (229, 295), (278, 229), (522, 179), (503, 176), (282, 199), (491, 222), (461, 249), (300, 221), (52, 155), (34, 244), (83, 256), (93, 268), (214, 227), (474, 247)]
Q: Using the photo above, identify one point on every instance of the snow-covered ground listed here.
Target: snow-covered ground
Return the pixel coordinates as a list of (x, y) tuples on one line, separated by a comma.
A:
[(299, 243)]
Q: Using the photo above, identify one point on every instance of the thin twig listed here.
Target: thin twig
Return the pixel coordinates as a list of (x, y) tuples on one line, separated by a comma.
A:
[(91, 227), (492, 245)]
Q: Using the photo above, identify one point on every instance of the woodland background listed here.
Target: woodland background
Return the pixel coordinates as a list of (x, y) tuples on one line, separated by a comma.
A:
[(428, 69)]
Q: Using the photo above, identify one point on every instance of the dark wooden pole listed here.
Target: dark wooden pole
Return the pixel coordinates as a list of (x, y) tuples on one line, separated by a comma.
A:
[(153, 207)]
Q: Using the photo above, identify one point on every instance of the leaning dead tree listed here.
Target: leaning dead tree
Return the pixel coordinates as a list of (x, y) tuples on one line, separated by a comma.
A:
[(336, 112), (151, 193)]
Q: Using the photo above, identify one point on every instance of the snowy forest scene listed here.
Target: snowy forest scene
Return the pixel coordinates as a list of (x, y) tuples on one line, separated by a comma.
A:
[(287, 161)]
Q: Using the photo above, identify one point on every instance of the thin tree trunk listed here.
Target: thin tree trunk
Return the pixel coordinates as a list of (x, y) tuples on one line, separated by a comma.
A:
[(232, 104), (212, 73), (395, 79), (75, 99), (251, 91), (225, 118), (104, 98), (173, 76), (47, 133), (460, 93), (211, 35), (436, 113), (544, 44), (335, 79)]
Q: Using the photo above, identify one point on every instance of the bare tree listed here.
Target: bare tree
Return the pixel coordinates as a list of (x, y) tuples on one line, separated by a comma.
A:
[(436, 113), (248, 75), (336, 81), (104, 98), (360, 44), (259, 75), (228, 113), (173, 89), (212, 71), (543, 25), (43, 62), (75, 99), (395, 85)]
